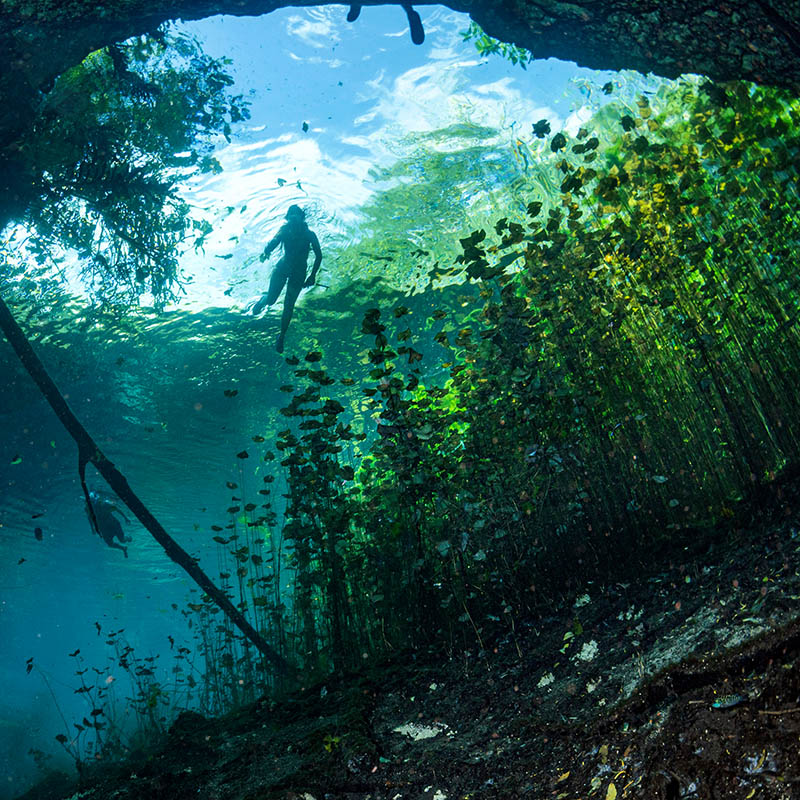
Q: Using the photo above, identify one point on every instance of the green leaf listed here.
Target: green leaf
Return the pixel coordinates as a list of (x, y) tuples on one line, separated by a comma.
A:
[(541, 128)]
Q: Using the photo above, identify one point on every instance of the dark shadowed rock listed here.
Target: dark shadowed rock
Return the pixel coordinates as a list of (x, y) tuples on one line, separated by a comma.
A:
[(736, 39)]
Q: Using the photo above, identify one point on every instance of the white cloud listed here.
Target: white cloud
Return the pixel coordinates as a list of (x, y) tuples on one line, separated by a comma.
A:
[(260, 145), (443, 93), (332, 63), (358, 141), (315, 28), (366, 118), (575, 120)]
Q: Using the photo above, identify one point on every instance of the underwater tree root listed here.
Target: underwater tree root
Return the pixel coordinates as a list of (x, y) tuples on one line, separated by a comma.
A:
[(89, 452)]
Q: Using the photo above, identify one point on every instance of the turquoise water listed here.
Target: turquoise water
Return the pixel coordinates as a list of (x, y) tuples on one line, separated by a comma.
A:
[(407, 149)]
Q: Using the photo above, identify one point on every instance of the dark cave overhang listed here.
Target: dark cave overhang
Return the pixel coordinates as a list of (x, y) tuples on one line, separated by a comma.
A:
[(756, 40)]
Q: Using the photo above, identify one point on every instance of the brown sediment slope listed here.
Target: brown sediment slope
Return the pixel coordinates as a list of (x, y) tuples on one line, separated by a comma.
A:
[(679, 683)]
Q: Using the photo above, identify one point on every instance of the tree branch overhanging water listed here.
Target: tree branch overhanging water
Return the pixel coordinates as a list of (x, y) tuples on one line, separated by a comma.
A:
[(89, 452)]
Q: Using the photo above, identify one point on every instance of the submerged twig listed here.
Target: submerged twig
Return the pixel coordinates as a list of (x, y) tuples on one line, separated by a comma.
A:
[(90, 452)]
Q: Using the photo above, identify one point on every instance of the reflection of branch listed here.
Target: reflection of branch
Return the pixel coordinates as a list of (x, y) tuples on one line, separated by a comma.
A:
[(88, 448), (112, 224), (43, 243)]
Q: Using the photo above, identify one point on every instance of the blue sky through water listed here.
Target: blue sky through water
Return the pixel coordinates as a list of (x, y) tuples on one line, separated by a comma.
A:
[(363, 90)]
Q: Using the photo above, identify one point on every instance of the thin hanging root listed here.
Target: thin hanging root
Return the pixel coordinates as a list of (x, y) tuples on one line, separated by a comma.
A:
[(83, 459), (415, 24)]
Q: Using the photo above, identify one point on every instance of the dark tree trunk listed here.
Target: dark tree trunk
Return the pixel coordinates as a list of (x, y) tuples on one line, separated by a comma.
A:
[(89, 452)]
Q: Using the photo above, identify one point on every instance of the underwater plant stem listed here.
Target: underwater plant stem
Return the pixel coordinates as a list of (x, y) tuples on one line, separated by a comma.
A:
[(89, 450), (72, 748), (52, 694)]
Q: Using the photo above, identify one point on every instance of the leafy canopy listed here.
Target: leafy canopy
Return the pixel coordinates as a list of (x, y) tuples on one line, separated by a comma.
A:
[(112, 140), (487, 45)]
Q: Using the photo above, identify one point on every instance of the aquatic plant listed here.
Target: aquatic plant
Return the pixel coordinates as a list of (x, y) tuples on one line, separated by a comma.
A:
[(604, 367), (97, 178), (624, 380), (117, 720)]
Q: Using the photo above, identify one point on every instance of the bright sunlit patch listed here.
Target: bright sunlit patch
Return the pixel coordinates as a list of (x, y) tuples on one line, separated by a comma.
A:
[(315, 28), (335, 105)]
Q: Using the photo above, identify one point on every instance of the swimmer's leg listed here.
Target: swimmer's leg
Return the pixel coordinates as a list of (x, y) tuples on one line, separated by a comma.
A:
[(292, 293), (112, 544), (276, 283)]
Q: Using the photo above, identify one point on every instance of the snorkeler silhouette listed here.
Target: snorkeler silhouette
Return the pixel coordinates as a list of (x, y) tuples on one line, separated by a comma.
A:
[(290, 271), (105, 524), (414, 21)]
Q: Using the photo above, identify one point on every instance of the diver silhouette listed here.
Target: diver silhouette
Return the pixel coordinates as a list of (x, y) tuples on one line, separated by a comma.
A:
[(414, 21), (105, 524), (290, 271)]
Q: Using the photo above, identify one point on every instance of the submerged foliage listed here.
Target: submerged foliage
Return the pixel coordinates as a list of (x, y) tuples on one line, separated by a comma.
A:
[(619, 376), (97, 178), (626, 379)]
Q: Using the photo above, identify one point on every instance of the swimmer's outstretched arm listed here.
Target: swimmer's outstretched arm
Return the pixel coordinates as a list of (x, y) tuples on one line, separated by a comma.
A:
[(271, 245)]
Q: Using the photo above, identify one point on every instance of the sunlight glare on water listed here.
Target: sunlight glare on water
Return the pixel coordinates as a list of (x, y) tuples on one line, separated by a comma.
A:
[(333, 106)]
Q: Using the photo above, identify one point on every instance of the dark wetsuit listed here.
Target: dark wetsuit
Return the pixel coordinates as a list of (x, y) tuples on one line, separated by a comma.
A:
[(108, 526), (290, 271), (297, 241)]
